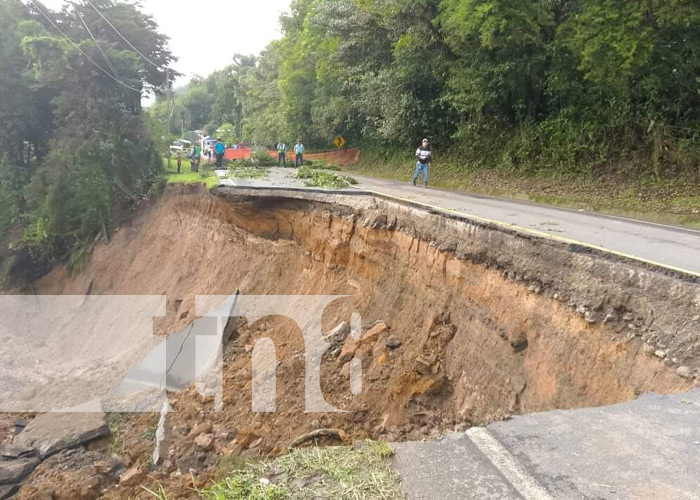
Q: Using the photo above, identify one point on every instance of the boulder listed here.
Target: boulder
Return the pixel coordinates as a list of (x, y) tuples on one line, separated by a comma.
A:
[(53, 432), (13, 471)]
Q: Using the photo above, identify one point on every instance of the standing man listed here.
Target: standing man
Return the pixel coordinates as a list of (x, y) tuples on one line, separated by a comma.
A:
[(219, 149), (179, 161), (424, 155), (281, 153), (193, 161), (197, 152), (299, 153)]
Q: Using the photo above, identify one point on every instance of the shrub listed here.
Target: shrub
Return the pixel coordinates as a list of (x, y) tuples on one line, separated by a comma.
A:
[(262, 159)]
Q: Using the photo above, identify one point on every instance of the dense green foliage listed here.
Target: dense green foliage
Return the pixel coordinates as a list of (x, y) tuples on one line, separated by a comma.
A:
[(73, 140), (577, 87), (573, 86)]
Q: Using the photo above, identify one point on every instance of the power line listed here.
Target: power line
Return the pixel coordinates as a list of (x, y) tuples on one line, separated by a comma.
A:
[(122, 36), (82, 51), (104, 55)]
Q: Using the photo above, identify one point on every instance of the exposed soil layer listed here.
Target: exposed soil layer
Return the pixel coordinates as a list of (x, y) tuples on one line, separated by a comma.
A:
[(463, 323)]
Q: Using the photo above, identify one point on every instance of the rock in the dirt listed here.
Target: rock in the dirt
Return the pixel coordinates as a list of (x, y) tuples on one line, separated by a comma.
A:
[(53, 432), (337, 434), (393, 342), (686, 372), (337, 336), (660, 354), (590, 317), (13, 451), (352, 345), (8, 491), (423, 366), (649, 350), (13, 471), (204, 441), (132, 477), (201, 428), (246, 437)]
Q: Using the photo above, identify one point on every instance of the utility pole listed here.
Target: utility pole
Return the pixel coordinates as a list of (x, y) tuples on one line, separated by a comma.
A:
[(168, 85), (182, 121)]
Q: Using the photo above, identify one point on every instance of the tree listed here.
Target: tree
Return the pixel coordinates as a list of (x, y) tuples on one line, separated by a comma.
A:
[(73, 140)]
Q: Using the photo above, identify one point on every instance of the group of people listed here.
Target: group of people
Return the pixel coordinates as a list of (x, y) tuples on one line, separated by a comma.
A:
[(195, 156), (424, 157), (282, 154)]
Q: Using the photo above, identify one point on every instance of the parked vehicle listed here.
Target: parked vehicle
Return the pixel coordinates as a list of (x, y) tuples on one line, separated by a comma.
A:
[(181, 146)]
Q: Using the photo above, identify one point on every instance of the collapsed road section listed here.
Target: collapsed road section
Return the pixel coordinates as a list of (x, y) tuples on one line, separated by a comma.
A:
[(462, 323)]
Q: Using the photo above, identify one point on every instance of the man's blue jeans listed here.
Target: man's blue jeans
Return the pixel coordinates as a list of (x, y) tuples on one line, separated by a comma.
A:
[(425, 169)]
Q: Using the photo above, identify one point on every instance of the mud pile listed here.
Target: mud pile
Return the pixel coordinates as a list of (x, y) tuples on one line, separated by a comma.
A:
[(463, 324)]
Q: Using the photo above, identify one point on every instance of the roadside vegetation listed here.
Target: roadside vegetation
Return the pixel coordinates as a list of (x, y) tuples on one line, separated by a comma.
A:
[(205, 175), (77, 151), (321, 165), (588, 103), (353, 473), (246, 170), (324, 179), (669, 201)]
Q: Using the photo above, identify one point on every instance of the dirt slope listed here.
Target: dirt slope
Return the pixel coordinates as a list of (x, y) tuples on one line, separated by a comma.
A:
[(449, 342)]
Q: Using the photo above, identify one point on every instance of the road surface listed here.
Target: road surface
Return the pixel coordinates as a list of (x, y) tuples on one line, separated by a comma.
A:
[(672, 247), (648, 449), (669, 246)]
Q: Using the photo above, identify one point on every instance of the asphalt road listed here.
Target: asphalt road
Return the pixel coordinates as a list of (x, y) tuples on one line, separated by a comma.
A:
[(669, 246), (644, 449)]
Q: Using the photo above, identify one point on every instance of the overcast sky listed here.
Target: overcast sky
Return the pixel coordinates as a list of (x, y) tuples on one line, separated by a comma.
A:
[(205, 34)]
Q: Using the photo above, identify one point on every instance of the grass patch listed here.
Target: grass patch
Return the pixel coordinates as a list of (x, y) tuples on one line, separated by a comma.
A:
[(328, 180), (322, 165), (116, 445), (204, 176), (149, 434), (229, 465), (161, 494), (357, 472), (247, 484)]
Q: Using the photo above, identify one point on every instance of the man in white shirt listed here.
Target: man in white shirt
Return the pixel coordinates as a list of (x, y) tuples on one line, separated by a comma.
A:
[(299, 154), (281, 153), (424, 156)]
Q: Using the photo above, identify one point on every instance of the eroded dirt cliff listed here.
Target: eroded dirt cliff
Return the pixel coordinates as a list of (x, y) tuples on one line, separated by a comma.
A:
[(463, 324)]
